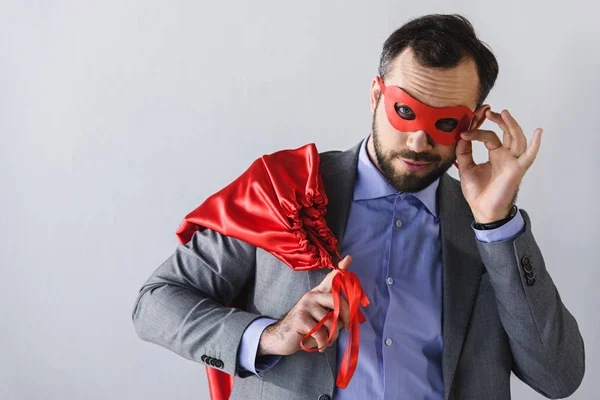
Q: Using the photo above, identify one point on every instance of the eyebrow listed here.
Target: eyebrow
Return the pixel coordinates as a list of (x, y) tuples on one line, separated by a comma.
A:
[(414, 98)]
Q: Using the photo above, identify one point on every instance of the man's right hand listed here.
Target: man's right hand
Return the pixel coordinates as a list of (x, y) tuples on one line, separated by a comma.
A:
[(283, 338)]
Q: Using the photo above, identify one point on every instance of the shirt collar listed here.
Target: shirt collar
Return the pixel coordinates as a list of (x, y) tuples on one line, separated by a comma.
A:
[(370, 184)]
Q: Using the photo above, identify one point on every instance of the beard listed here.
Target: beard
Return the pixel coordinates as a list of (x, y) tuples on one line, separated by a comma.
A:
[(409, 181)]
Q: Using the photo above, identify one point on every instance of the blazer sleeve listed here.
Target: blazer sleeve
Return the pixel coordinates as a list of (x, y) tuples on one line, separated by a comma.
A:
[(182, 305), (545, 341)]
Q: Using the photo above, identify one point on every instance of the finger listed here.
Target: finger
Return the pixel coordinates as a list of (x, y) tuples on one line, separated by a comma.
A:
[(335, 334), (324, 301), (489, 138), (310, 342), (305, 323), (345, 314), (464, 155), (317, 312), (321, 337), (497, 118), (531, 153), (317, 316), (345, 263), (325, 285), (519, 142)]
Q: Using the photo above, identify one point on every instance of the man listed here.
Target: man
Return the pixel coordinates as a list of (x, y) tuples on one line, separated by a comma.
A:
[(460, 295)]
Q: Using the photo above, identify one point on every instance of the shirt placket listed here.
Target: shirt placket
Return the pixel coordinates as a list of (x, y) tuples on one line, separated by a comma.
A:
[(389, 355)]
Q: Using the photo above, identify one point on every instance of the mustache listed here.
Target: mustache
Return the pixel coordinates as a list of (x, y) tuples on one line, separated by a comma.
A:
[(414, 156)]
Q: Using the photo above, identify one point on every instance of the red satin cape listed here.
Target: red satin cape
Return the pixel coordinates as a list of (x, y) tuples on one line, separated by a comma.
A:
[(279, 205)]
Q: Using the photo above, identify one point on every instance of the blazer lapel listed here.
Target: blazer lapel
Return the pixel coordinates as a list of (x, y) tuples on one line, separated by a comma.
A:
[(339, 173), (461, 272)]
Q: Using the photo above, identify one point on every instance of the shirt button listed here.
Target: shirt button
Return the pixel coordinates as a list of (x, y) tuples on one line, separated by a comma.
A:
[(390, 280), (398, 223), (388, 342)]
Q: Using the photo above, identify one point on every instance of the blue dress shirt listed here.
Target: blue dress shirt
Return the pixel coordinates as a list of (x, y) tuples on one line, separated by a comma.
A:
[(394, 240)]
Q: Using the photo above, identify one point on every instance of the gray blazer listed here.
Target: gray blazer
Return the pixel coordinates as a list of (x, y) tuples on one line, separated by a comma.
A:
[(494, 322)]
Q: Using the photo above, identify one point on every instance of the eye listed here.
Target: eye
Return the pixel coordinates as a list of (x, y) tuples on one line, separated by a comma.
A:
[(446, 124), (405, 111)]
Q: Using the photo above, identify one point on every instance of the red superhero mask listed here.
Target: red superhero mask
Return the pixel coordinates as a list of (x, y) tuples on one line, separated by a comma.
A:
[(407, 114)]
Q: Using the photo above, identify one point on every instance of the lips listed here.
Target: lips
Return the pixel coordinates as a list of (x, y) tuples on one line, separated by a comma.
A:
[(415, 165)]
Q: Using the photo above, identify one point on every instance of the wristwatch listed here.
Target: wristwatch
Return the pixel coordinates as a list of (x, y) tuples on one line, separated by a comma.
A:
[(496, 224)]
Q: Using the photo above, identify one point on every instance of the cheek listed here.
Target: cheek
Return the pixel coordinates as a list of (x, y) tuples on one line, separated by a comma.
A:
[(446, 152), (389, 137)]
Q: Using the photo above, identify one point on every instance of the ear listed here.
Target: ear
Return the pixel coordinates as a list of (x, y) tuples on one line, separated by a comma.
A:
[(479, 117), (375, 93)]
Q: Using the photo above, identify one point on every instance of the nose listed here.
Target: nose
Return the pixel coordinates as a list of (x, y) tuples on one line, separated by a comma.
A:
[(419, 141)]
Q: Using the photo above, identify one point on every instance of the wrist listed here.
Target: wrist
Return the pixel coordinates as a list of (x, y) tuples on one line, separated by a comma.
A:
[(487, 218), (265, 343), (489, 224)]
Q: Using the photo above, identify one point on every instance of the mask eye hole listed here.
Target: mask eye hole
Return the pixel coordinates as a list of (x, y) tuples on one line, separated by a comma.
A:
[(404, 111), (446, 124)]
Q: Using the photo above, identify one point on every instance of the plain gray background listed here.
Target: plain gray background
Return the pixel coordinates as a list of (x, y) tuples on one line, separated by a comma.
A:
[(119, 117)]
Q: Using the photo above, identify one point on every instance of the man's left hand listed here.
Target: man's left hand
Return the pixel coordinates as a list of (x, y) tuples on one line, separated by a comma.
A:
[(490, 188)]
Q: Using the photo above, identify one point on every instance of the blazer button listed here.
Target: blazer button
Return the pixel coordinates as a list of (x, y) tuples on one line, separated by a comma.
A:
[(530, 282), (527, 268), (219, 364), (525, 260), (203, 358), (530, 275), (324, 397)]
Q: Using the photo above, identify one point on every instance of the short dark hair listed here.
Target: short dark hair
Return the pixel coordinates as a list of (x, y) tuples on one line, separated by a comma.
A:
[(442, 41)]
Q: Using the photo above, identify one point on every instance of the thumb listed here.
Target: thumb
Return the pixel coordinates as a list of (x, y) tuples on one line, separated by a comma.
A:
[(325, 285), (464, 154), (345, 263)]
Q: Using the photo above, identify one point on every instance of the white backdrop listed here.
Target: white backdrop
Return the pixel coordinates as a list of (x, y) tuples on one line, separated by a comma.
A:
[(119, 117)]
